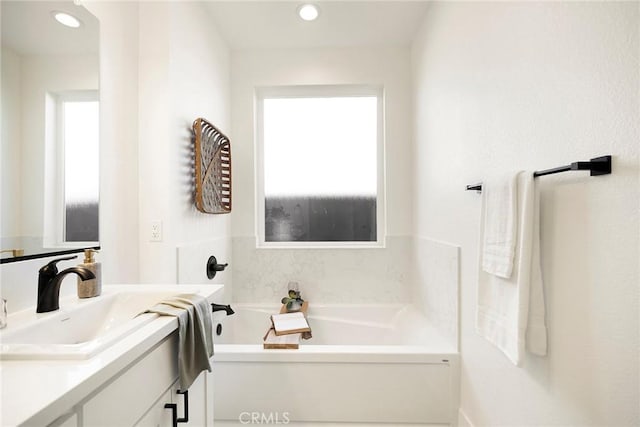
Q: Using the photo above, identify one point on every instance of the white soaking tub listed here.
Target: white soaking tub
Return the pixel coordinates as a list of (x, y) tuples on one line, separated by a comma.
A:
[(365, 363)]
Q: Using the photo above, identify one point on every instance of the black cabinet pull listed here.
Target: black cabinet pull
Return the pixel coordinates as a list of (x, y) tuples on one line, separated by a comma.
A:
[(174, 413), (185, 419), (174, 409)]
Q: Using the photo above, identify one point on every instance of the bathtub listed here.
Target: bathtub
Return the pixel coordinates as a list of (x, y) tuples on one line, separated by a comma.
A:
[(365, 363)]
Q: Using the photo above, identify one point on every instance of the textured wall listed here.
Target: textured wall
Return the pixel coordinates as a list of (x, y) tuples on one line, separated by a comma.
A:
[(504, 86), (324, 275), (435, 285)]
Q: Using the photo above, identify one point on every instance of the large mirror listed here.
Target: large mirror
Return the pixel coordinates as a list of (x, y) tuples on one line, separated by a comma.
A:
[(50, 143)]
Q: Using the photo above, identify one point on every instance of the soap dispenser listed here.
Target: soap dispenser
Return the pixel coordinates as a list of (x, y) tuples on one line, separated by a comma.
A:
[(92, 287)]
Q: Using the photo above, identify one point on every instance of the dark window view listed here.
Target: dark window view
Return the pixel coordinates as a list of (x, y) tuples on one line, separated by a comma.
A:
[(81, 223), (320, 219)]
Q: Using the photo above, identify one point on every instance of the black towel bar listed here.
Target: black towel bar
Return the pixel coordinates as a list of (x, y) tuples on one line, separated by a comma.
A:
[(597, 166)]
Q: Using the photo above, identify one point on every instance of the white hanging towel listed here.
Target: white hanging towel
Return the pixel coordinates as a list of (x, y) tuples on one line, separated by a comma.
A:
[(499, 238), (511, 311)]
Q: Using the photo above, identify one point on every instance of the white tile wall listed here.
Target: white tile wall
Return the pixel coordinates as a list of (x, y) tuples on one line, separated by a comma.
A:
[(409, 270), (436, 279), (324, 275)]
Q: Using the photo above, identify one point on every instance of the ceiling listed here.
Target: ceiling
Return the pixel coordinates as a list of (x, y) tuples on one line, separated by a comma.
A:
[(275, 24), (29, 29)]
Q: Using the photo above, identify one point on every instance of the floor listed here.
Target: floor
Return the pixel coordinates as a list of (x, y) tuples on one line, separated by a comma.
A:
[(297, 424)]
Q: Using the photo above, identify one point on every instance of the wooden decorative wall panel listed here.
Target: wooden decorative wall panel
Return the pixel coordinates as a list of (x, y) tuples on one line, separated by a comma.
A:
[(212, 168)]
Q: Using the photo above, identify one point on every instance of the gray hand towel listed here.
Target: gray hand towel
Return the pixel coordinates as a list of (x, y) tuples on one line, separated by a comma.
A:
[(195, 336)]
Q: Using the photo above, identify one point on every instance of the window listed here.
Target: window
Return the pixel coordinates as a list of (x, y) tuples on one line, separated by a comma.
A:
[(81, 179), (71, 172), (320, 165)]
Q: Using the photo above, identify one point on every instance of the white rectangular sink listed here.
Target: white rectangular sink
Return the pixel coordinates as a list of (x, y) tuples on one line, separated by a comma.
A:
[(82, 330)]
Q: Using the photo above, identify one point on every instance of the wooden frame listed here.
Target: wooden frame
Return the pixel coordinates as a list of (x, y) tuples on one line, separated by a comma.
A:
[(212, 168)]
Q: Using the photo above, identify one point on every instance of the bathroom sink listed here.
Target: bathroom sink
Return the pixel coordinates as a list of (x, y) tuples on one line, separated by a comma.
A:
[(81, 330)]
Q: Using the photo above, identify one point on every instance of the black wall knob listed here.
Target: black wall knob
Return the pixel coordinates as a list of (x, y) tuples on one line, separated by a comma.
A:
[(213, 267)]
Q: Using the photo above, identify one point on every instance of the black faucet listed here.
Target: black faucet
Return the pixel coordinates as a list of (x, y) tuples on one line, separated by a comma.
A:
[(49, 281), (220, 307)]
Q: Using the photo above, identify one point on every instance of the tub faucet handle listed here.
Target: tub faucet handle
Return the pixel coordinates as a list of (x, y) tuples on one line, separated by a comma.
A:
[(213, 267)]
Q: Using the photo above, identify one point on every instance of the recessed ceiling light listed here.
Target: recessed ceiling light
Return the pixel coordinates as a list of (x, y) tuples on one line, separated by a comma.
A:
[(66, 19), (308, 12)]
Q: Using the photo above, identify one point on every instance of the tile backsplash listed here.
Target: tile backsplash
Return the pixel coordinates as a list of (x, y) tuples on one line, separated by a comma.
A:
[(419, 271), (376, 275), (437, 284)]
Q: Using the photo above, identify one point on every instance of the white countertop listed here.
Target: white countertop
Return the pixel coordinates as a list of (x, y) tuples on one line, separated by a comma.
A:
[(35, 392)]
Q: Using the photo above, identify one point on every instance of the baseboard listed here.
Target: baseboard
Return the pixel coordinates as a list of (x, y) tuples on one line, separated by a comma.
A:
[(463, 420)]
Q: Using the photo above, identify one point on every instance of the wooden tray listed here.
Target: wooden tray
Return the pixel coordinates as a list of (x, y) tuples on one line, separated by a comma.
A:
[(282, 342), (288, 342), (212, 168)]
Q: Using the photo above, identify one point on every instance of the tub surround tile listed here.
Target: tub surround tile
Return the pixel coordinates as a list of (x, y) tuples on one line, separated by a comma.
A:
[(419, 271), (436, 279), (324, 275)]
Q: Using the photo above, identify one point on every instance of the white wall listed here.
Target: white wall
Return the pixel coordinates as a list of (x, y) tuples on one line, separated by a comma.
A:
[(262, 275), (183, 75), (118, 139), (163, 65), (200, 79), (503, 86), (11, 153)]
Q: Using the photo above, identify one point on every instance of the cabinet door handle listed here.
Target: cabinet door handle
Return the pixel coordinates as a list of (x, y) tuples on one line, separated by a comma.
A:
[(185, 419), (174, 413), (174, 409)]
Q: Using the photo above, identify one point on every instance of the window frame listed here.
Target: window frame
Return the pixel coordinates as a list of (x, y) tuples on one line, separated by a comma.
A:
[(55, 231), (319, 91)]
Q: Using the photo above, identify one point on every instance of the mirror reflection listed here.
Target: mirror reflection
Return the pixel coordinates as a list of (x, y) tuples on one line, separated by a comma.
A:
[(49, 171)]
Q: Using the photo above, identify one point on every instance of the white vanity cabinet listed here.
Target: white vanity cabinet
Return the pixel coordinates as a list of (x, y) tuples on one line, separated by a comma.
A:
[(67, 420), (161, 416), (158, 415), (200, 402), (137, 396), (121, 380)]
